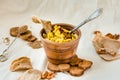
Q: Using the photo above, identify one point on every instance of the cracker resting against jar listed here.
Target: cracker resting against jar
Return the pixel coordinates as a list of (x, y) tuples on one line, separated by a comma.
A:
[(55, 33)]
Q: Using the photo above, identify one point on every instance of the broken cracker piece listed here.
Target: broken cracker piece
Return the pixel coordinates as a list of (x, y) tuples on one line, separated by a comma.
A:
[(115, 36), (106, 47), (109, 57), (22, 63), (36, 20), (46, 24), (47, 75), (31, 74)]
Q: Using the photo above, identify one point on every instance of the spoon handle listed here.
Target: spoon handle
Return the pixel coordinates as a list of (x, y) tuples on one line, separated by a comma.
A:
[(81, 24), (94, 15), (3, 56)]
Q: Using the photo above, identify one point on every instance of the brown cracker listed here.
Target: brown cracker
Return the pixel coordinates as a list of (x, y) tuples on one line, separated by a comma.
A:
[(19, 64), (85, 64), (31, 38), (76, 71), (53, 67), (35, 44), (64, 67), (31, 74), (26, 35), (14, 31)]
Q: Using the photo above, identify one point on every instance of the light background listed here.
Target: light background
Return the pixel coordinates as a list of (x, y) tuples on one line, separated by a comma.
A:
[(19, 12)]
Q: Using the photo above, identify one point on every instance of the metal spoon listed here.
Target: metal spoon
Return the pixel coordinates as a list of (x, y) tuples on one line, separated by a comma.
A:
[(3, 56), (94, 15)]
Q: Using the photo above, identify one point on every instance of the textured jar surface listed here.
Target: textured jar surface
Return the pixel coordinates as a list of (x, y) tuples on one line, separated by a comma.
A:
[(60, 52)]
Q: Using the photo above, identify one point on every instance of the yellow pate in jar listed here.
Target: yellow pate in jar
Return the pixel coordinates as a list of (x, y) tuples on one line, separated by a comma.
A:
[(60, 35)]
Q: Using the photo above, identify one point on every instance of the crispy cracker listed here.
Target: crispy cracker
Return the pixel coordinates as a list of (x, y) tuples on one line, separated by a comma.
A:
[(14, 31), (31, 74), (85, 64), (53, 67), (64, 67), (23, 29), (31, 39), (26, 35), (35, 44), (22, 63), (107, 47), (46, 24), (76, 71), (47, 75), (75, 61), (35, 19)]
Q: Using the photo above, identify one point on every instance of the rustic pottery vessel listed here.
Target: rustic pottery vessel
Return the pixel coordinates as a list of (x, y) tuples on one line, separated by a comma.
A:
[(58, 53)]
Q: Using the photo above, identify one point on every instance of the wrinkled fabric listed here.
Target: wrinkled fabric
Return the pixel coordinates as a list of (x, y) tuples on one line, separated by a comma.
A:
[(19, 12)]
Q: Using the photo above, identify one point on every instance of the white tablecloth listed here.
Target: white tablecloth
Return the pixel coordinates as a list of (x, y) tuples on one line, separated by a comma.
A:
[(19, 12)]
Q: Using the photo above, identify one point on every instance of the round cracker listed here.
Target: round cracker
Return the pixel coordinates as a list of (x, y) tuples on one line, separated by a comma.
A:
[(26, 35), (64, 67), (20, 64), (75, 71), (14, 31), (53, 67), (31, 38), (75, 61), (85, 64)]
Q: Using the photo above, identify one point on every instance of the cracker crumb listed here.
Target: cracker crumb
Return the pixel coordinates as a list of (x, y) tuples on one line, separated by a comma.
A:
[(113, 36), (47, 75), (6, 40), (95, 32)]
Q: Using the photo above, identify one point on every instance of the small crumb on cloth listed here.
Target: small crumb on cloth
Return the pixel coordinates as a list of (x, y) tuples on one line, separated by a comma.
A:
[(6, 40)]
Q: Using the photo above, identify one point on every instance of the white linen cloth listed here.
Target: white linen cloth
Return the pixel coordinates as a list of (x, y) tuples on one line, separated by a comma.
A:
[(19, 12)]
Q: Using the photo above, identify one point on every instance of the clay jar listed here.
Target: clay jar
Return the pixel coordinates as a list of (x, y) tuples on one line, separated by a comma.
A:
[(58, 53)]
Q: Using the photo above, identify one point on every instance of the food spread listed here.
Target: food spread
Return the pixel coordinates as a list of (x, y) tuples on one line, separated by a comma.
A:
[(60, 35)]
